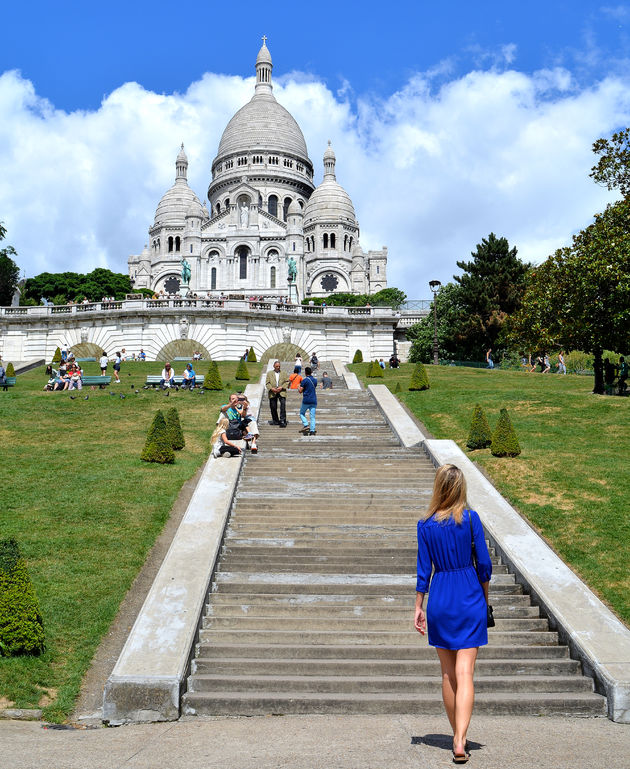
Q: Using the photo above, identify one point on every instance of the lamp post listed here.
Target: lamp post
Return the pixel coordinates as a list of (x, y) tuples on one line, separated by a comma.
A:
[(434, 285)]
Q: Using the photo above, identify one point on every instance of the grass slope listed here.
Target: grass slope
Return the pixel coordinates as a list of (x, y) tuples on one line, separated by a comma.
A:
[(86, 510), (572, 480)]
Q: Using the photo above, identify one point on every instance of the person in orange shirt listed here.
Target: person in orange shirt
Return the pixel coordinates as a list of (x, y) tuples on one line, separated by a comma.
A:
[(295, 378)]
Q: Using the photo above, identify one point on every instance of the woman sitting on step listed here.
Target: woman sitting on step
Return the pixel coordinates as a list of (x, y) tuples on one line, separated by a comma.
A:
[(457, 609), (221, 444)]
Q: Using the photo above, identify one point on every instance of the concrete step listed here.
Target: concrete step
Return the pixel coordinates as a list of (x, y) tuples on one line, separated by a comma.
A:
[(357, 667), (490, 703), (318, 566), (419, 650), (348, 602), (393, 684), (307, 636)]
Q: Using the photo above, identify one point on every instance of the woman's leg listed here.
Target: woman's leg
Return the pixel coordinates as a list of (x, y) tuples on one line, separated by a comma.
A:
[(464, 697), (449, 682)]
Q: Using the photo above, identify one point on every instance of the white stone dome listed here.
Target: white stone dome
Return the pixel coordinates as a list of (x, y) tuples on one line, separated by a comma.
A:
[(175, 203), (330, 202), (263, 124), (196, 209)]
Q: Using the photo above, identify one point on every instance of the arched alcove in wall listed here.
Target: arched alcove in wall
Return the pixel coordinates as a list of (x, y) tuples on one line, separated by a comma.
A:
[(285, 352), (181, 348), (89, 350)]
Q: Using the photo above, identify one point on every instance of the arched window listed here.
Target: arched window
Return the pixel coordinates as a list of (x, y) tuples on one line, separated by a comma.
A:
[(213, 278), (177, 243), (350, 244), (272, 205), (272, 277), (243, 251), (325, 240), (345, 242), (227, 202), (170, 243), (332, 240), (285, 208), (260, 197), (218, 208)]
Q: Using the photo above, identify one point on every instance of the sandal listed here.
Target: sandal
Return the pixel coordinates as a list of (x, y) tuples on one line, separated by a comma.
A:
[(460, 758)]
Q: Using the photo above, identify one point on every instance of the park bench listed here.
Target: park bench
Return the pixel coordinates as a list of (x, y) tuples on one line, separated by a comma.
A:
[(154, 380), (9, 382), (96, 381), (188, 359), (85, 360)]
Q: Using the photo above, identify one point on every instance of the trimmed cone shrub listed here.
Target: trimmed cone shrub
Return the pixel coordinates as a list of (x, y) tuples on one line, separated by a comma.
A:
[(480, 435), (398, 388), (158, 446), (251, 356), (358, 357), (21, 626), (504, 440), (419, 378), (57, 356), (241, 370), (174, 427), (10, 370), (213, 378)]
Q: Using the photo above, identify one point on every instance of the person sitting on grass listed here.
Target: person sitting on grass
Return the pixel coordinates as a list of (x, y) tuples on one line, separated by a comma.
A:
[(74, 372), (221, 444), (168, 376), (189, 377)]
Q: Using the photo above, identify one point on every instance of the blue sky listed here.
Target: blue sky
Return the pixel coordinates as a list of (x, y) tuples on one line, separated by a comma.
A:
[(449, 119)]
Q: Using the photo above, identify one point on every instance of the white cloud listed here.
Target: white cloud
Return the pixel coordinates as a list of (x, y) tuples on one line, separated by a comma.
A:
[(431, 170)]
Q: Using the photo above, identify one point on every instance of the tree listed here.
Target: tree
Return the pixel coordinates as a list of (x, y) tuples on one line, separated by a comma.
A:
[(213, 377), (579, 298), (491, 288), (480, 435), (504, 441), (449, 316), (9, 272), (174, 427), (241, 371), (419, 378), (358, 357), (66, 286), (21, 625), (613, 168), (386, 297), (158, 446), (251, 356)]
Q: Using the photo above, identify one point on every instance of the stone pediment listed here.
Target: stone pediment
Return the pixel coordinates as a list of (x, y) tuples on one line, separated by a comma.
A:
[(243, 188)]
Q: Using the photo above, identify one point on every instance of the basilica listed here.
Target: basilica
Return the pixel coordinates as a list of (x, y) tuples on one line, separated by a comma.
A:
[(266, 230)]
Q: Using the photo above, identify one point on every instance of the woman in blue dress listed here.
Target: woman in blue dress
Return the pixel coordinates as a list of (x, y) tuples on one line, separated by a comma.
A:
[(456, 608)]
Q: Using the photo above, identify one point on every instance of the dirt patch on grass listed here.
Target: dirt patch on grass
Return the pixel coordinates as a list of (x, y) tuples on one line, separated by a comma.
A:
[(5, 703), (528, 407), (48, 697)]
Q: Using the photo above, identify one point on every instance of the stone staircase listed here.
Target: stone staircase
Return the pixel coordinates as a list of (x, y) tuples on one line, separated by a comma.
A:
[(311, 608)]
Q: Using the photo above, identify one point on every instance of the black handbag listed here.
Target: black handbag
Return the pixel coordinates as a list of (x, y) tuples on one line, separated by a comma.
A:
[(489, 614)]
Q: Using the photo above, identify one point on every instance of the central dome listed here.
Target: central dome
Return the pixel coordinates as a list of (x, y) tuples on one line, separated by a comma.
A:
[(263, 124)]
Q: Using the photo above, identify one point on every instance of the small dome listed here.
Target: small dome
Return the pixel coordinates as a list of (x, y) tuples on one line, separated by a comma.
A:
[(264, 57), (295, 208), (182, 155), (196, 209), (329, 154), (175, 203), (330, 202)]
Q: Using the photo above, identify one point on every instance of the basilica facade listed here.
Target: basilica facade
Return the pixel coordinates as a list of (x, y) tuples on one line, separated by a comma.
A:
[(266, 228)]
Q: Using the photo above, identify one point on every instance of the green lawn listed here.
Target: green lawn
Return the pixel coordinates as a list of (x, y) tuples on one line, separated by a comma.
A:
[(86, 510), (572, 479)]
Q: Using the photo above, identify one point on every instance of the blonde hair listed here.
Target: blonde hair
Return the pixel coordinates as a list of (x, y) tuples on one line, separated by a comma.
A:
[(449, 495), (221, 427)]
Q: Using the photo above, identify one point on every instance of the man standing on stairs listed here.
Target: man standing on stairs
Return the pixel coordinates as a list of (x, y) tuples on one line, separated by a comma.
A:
[(308, 388), (276, 385)]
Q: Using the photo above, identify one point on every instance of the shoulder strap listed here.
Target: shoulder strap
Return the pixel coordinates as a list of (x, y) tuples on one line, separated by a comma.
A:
[(473, 549)]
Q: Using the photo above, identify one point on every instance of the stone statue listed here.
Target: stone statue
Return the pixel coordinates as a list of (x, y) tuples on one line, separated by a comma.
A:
[(292, 269), (185, 272), (244, 215)]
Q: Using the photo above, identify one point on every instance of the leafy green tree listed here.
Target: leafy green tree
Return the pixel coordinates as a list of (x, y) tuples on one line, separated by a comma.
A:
[(449, 315), (579, 298), (386, 297), (613, 168), (491, 288), (66, 286), (9, 272)]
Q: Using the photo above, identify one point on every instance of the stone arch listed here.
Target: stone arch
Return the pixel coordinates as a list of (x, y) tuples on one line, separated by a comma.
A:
[(181, 348), (284, 352), (86, 350)]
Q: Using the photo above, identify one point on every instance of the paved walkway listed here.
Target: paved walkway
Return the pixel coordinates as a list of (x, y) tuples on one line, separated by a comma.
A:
[(314, 742)]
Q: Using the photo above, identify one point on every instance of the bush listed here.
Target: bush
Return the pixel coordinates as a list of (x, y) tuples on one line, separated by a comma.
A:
[(419, 378), (241, 370), (578, 362), (504, 440), (251, 356), (213, 377), (21, 626), (375, 371), (57, 356), (510, 361), (174, 427), (9, 369), (158, 446), (358, 357), (480, 435)]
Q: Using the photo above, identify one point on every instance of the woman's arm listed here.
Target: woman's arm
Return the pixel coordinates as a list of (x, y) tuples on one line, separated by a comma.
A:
[(420, 620), (227, 442)]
